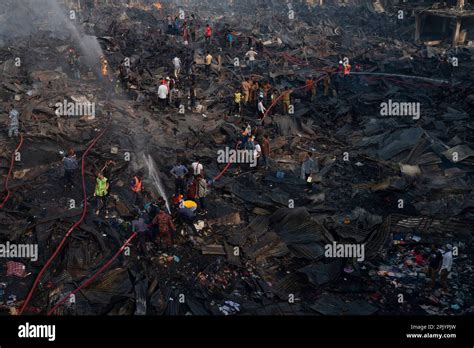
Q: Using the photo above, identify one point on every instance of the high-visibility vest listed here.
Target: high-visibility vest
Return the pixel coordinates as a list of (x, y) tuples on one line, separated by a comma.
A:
[(101, 187), (237, 97), (137, 187)]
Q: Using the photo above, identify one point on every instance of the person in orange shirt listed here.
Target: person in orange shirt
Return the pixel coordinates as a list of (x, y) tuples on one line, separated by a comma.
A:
[(310, 88)]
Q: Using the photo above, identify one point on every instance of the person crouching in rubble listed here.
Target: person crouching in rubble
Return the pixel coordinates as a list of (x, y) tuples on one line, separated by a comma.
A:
[(186, 213), (308, 167), (434, 265), (101, 189), (165, 227), (70, 166), (14, 123)]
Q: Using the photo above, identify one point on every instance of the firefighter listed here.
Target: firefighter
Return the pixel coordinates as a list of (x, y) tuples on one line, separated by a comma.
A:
[(136, 187)]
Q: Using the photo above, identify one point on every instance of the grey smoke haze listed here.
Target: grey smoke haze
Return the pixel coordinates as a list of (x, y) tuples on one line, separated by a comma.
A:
[(22, 18)]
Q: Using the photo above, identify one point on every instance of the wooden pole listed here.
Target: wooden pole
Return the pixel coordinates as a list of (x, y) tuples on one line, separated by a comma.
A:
[(457, 28)]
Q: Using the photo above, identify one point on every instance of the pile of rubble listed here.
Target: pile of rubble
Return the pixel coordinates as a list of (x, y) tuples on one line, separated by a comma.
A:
[(390, 183)]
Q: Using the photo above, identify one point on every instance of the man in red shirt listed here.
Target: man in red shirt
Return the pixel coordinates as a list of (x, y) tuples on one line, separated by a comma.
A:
[(208, 33)]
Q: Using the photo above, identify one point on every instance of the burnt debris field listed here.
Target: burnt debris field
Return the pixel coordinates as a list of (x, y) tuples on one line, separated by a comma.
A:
[(236, 157)]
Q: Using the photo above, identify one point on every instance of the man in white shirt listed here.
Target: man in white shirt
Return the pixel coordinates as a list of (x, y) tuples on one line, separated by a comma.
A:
[(261, 109), (446, 266), (258, 151), (163, 95), (177, 66), (251, 56), (198, 168)]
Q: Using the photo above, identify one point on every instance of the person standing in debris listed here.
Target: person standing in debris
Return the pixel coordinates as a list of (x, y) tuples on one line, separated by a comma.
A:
[(170, 24), (176, 25), (101, 189), (70, 166), (107, 171), (446, 266), (261, 109), (250, 144), (136, 188), (185, 33), (124, 73), (14, 123), (246, 87), (192, 31), (202, 192), (246, 133), (254, 92), (104, 67), (162, 96), (266, 151), (208, 33), (208, 62), (275, 98), (346, 72), (175, 97), (192, 96), (310, 88), (257, 154), (266, 92), (236, 106), (197, 167), (230, 38), (434, 265), (165, 227), (177, 66), (251, 54), (191, 187), (327, 84), (249, 42), (308, 167), (179, 171), (73, 61), (140, 227), (286, 100)]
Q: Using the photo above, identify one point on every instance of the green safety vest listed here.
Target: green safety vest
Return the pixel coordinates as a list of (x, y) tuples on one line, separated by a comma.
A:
[(101, 187)]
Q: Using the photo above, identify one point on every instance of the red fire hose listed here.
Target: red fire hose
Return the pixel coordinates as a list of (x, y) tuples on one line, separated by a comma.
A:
[(94, 276), (63, 241), (12, 163)]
